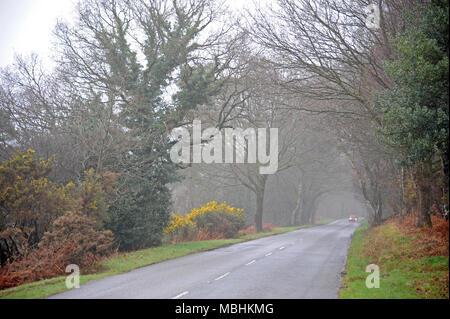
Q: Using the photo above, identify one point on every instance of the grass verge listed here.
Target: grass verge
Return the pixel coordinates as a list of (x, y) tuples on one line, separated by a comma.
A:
[(404, 273), (124, 262)]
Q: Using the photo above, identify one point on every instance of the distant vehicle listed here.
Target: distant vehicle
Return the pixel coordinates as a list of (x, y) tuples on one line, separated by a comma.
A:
[(353, 218)]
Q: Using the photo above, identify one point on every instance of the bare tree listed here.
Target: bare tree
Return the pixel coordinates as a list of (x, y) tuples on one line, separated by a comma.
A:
[(330, 54)]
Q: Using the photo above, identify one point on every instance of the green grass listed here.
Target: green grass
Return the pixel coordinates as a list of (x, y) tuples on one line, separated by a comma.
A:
[(402, 273), (124, 262)]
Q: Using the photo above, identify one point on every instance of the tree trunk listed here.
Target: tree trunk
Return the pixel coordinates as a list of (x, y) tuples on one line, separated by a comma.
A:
[(295, 212), (423, 174), (259, 210), (402, 202), (304, 218), (312, 214), (378, 214), (260, 189)]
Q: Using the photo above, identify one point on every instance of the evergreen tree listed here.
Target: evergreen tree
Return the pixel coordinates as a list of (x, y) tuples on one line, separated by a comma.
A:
[(416, 108), (134, 55)]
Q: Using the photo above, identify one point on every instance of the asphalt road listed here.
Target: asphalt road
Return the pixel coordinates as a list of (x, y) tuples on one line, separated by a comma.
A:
[(305, 263)]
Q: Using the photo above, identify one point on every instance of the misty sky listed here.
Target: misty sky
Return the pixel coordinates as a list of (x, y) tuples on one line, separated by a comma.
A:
[(26, 25)]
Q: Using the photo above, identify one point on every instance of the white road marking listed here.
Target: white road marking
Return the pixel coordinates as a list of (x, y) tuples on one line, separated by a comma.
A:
[(249, 263), (184, 293), (268, 254), (282, 247), (223, 276)]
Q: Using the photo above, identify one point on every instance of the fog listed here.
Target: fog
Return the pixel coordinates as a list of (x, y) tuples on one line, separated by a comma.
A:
[(90, 119)]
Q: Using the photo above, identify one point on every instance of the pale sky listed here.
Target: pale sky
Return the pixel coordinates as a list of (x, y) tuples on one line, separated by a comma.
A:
[(26, 26)]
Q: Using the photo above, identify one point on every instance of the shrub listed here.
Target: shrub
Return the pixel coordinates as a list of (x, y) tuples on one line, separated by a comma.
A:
[(180, 228), (73, 240), (78, 229), (37, 264), (45, 226), (90, 196), (29, 202), (221, 218), (212, 221), (138, 217)]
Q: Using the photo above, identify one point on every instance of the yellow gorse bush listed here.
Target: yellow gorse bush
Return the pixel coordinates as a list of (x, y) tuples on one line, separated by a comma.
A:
[(183, 225), (178, 222), (214, 206)]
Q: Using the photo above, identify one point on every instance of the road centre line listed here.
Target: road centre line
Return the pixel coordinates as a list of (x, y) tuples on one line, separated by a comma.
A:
[(184, 293), (251, 262), (223, 276)]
